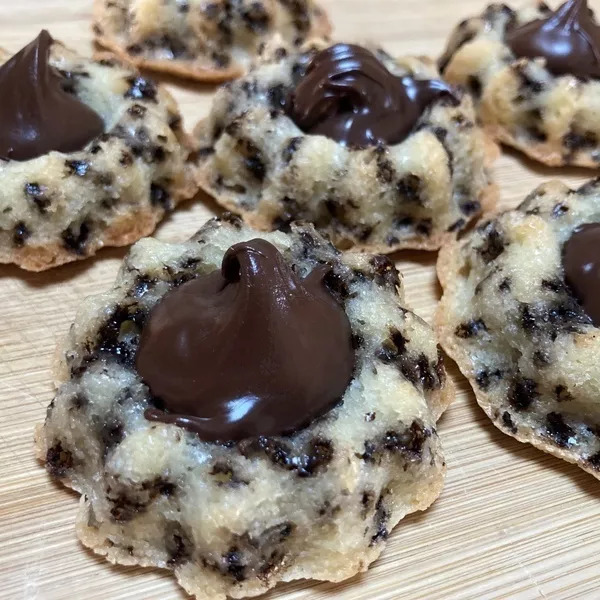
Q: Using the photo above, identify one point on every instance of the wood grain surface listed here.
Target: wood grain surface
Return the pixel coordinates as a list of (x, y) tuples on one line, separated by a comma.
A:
[(511, 522)]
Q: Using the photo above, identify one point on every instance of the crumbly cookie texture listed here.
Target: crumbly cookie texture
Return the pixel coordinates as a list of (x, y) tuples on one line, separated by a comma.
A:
[(58, 207), (256, 162), (233, 520), (207, 40), (516, 331), (554, 120)]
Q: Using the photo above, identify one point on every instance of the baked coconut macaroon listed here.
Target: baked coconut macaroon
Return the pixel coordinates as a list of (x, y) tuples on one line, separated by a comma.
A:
[(247, 408), (91, 155), (535, 77), (206, 40), (378, 153), (520, 315)]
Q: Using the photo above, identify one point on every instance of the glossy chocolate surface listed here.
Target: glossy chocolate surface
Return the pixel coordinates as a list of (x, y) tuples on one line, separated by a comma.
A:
[(581, 263), (569, 40), (249, 350), (36, 114), (348, 95)]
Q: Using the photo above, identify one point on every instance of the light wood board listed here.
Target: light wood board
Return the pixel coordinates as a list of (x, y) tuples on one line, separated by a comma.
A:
[(511, 522)]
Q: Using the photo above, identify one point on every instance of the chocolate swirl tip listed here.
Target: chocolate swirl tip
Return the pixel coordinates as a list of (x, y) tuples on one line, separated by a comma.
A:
[(348, 95), (250, 350), (36, 114), (569, 40)]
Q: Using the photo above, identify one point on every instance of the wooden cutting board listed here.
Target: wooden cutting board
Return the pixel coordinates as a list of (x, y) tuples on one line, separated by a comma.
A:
[(511, 523)]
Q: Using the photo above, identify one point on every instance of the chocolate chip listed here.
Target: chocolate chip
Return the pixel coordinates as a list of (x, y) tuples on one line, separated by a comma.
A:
[(409, 442), (233, 127), (159, 196), (141, 89), (439, 366), (385, 169), (528, 320), (234, 564), (357, 341), (174, 122), (470, 207), (562, 394), (109, 340), (541, 359), (440, 133), (75, 239), (594, 461), (386, 274), (79, 401), (328, 510), (36, 193), (493, 244), (536, 134), (165, 488), (290, 212), (314, 459), (175, 46), (276, 96), (234, 220), (20, 234), (456, 225), (137, 111), (522, 393), (485, 378), (504, 285), (556, 428), (178, 545), (126, 159), (528, 84), (337, 285), (555, 285), (563, 316), (290, 149), (381, 519), (393, 347), (579, 141), (424, 227), (59, 461), (409, 187), (367, 502), (125, 509), (319, 455), (224, 474), (474, 85), (470, 329), (508, 422), (253, 159), (77, 167), (256, 17), (134, 49)]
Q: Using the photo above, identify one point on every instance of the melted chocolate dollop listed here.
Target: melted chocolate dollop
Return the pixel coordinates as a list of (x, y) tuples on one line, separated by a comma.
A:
[(581, 262), (568, 39), (246, 351), (36, 114), (348, 95)]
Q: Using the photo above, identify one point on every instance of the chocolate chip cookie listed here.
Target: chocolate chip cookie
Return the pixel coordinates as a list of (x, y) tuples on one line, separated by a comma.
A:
[(520, 316), (207, 40), (91, 155), (378, 153), (535, 76), (247, 408)]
